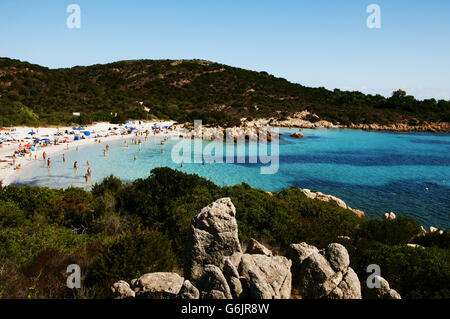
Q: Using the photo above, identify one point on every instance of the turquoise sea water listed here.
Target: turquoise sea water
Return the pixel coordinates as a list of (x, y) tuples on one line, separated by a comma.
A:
[(377, 172)]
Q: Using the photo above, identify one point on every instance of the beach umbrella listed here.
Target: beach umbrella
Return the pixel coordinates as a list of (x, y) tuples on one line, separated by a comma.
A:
[(27, 145), (87, 133), (32, 133), (76, 138), (45, 140), (32, 148)]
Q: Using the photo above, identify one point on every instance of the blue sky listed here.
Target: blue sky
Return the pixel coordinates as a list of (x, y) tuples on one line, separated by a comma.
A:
[(315, 43)]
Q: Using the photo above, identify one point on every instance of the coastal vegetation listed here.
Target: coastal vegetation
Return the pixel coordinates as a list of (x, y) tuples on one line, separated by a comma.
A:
[(119, 231), (185, 91)]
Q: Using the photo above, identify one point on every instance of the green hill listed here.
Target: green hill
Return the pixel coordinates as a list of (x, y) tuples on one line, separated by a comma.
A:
[(187, 90)]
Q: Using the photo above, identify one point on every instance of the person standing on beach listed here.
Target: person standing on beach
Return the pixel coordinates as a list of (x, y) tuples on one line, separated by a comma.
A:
[(44, 155), (87, 163), (89, 171), (49, 162), (75, 165), (64, 158)]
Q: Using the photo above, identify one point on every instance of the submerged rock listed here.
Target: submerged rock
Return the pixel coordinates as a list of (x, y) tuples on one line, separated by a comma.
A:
[(297, 135)]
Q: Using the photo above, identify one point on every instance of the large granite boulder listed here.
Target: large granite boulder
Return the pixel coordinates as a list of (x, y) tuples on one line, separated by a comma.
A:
[(212, 284), (159, 284), (216, 266), (233, 278), (188, 291), (265, 277), (254, 247), (337, 256), (122, 290), (213, 235), (384, 292), (325, 273)]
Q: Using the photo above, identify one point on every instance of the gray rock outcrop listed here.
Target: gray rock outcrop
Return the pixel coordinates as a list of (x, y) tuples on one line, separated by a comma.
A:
[(254, 247), (212, 284), (122, 290), (213, 236), (188, 291), (325, 273), (266, 277), (384, 292), (157, 284), (216, 266)]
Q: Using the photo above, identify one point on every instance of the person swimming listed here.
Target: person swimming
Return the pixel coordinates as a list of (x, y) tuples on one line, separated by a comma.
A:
[(49, 162), (89, 171), (75, 165), (135, 157)]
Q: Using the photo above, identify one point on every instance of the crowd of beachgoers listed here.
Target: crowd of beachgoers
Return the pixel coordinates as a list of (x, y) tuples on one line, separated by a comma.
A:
[(20, 146)]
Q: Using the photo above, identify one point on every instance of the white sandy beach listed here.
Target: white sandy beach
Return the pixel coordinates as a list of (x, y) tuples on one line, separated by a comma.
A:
[(12, 140)]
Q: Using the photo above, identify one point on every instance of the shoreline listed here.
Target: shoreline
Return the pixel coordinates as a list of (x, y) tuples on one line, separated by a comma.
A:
[(8, 173), (302, 120)]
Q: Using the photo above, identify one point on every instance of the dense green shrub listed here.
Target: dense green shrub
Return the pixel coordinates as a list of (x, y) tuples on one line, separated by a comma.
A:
[(433, 239), (121, 231), (30, 199), (131, 256), (192, 90), (71, 209), (413, 272), (393, 232), (22, 244), (11, 215)]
